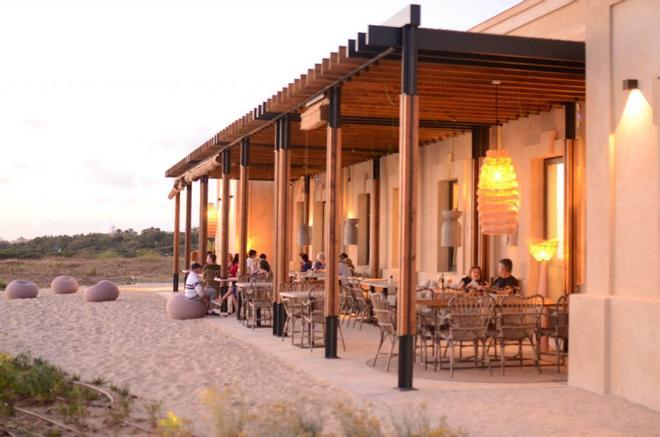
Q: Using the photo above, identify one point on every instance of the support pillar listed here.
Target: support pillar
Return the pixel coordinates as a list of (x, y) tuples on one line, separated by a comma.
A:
[(408, 174), (306, 206), (374, 256), (224, 212), (175, 242), (480, 144), (188, 235), (244, 201), (333, 214), (203, 218), (282, 145), (570, 262)]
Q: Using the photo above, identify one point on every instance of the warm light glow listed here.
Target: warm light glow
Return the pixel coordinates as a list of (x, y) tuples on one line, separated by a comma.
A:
[(497, 194), (543, 250), (637, 109), (212, 217)]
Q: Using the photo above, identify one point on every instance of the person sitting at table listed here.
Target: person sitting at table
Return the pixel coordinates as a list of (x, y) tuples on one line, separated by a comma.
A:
[(264, 266), (319, 264), (345, 266), (305, 263), (474, 281), (252, 263), (506, 279), (193, 288), (210, 271)]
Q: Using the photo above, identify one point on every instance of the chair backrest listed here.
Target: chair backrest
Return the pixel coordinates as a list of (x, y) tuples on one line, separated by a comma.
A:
[(519, 316), (469, 316), (425, 294), (384, 314), (558, 317)]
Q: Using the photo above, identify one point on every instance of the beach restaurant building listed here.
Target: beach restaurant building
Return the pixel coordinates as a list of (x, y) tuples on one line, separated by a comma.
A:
[(379, 151)]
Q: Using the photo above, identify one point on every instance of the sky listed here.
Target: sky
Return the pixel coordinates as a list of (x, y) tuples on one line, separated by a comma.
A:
[(99, 98)]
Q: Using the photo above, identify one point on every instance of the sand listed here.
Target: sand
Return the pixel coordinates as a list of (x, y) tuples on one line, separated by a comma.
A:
[(131, 341)]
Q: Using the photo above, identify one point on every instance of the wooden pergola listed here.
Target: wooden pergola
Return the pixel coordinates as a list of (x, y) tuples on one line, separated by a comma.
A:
[(393, 89)]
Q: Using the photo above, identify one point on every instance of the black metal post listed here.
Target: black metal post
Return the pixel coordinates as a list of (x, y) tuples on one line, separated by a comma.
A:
[(330, 340), (175, 282)]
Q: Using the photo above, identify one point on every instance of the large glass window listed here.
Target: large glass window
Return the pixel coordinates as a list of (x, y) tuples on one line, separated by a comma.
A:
[(554, 203)]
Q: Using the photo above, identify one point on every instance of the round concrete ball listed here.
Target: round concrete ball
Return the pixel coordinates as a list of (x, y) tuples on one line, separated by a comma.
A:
[(64, 285), (101, 291), (21, 289), (179, 307)]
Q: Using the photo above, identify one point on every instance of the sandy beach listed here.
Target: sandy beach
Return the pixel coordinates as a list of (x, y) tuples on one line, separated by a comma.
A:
[(132, 342)]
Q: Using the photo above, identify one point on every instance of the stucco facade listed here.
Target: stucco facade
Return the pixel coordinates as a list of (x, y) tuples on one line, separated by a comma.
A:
[(615, 314)]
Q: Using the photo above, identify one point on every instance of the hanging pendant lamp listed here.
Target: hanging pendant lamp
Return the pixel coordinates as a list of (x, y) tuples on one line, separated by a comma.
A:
[(212, 220), (304, 234), (498, 197)]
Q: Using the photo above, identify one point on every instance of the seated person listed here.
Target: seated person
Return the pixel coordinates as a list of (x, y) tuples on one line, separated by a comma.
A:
[(193, 288), (474, 281), (305, 263), (264, 266), (506, 279), (233, 266), (210, 271), (345, 265), (252, 263), (319, 264)]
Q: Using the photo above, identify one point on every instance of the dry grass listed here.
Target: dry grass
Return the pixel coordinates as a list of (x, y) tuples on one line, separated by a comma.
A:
[(87, 271)]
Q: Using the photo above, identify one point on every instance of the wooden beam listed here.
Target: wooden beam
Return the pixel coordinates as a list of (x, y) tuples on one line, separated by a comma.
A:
[(175, 242), (570, 259), (203, 218), (333, 215), (188, 235), (283, 142)]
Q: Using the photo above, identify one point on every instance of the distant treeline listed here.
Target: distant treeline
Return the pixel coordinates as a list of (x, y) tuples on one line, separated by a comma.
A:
[(128, 243)]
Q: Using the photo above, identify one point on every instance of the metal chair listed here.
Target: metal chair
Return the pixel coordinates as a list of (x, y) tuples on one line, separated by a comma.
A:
[(468, 319), (517, 321), (556, 328), (387, 326)]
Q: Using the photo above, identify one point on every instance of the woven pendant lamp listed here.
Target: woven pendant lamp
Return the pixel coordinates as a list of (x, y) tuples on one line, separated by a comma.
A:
[(212, 220), (498, 197)]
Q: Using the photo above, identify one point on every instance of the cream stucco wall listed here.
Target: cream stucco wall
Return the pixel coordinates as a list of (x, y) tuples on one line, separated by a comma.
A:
[(619, 316)]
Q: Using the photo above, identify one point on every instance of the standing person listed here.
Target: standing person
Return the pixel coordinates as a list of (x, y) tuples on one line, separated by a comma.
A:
[(305, 263), (193, 289), (319, 264), (233, 266), (252, 263), (506, 279)]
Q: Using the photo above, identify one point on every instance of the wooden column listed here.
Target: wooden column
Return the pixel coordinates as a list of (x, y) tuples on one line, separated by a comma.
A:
[(333, 215), (282, 146), (306, 207), (188, 236), (570, 264), (408, 173), (374, 256), (244, 201), (224, 212), (203, 218), (175, 242), (480, 144)]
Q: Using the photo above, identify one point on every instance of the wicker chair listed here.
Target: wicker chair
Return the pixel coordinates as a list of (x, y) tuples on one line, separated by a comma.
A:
[(517, 321), (468, 319), (387, 325), (294, 314), (313, 317), (361, 305), (556, 328), (259, 305)]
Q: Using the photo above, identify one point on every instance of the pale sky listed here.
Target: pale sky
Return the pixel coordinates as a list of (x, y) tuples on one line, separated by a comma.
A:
[(99, 98)]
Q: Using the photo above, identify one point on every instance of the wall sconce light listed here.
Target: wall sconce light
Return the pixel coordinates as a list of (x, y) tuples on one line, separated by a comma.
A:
[(630, 84), (543, 251), (351, 231)]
